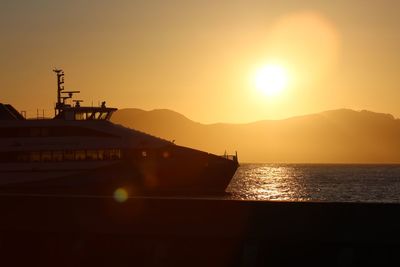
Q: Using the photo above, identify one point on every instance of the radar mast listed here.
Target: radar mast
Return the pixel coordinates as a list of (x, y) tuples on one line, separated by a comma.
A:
[(60, 104)]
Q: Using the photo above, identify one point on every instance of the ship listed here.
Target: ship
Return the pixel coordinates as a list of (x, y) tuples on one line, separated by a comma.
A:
[(80, 151)]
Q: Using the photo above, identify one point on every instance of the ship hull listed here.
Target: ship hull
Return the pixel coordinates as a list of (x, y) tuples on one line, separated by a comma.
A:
[(167, 170)]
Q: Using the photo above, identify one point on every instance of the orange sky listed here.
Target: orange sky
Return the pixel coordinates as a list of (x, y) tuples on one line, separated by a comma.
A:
[(199, 57)]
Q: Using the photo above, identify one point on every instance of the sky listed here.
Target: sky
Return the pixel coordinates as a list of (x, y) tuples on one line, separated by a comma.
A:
[(199, 58)]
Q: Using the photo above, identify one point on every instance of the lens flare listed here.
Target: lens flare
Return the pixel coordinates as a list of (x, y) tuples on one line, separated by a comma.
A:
[(309, 41), (120, 195)]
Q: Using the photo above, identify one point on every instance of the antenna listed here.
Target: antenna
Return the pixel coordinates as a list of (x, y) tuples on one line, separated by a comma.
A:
[(60, 88), (60, 82), (60, 104)]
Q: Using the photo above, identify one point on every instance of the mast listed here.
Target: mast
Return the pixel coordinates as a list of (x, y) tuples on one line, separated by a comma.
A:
[(60, 88), (60, 105)]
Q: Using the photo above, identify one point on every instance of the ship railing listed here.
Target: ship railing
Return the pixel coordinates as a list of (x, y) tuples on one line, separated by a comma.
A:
[(230, 157)]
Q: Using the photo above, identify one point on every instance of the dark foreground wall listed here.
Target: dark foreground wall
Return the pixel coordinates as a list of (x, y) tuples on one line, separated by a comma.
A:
[(84, 231)]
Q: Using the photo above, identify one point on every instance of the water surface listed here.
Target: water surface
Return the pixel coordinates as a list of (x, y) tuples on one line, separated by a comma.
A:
[(317, 182)]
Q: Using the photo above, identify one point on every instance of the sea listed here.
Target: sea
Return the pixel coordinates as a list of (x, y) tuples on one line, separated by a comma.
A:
[(316, 182)]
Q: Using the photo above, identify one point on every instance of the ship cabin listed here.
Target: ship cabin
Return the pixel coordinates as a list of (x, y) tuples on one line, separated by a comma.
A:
[(85, 113), (77, 112), (67, 112), (63, 110)]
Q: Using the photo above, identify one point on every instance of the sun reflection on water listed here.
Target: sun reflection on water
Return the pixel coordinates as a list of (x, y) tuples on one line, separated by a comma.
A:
[(272, 182), (316, 182)]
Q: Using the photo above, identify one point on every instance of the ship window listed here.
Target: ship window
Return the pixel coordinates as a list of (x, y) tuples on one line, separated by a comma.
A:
[(100, 154), (45, 156), (115, 154), (91, 155), (57, 156), (112, 154), (103, 116), (80, 155), (23, 157), (79, 116), (69, 155), (107, 154), (90, 115), (60, 156), (34, 156)]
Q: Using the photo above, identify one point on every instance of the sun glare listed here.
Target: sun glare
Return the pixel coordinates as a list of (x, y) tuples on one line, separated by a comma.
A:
[(271, 79)]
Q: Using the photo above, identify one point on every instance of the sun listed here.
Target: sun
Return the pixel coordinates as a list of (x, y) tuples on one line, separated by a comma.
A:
[(271, 79)]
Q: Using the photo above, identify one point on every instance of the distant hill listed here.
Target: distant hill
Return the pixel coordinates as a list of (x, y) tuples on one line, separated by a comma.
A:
[(337, 136)]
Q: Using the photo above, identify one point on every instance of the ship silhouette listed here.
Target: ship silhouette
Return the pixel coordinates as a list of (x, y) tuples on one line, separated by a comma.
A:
[(80, 151)]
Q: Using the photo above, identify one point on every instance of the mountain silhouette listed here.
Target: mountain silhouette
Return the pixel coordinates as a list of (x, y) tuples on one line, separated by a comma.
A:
[(336, 136)]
